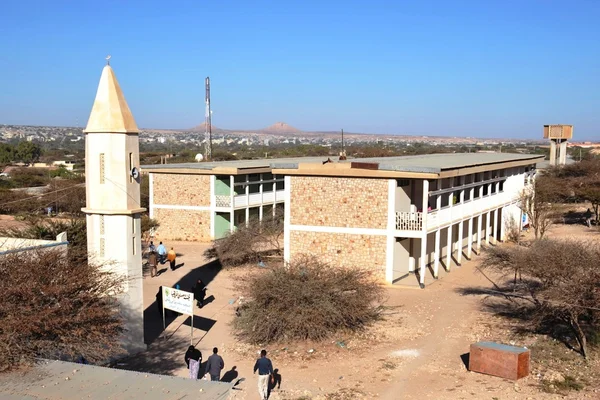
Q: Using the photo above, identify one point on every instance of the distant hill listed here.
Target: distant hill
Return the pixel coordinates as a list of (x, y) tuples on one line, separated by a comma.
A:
[(279, 128), (202, 128)]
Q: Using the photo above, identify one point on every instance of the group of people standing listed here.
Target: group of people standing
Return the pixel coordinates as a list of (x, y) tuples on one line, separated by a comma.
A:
[(159, 255), (215, 364)]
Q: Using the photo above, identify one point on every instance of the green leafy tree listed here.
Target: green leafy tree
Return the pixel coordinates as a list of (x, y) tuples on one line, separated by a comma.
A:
[(28, 152)]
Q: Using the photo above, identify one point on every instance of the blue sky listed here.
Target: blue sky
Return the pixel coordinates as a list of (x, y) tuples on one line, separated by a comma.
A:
[(455, 68)]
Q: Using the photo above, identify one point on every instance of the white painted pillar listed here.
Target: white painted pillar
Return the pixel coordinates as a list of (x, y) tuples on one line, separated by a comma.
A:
[(286, 219), (459, 242), (502, 223), (449, 238), (552, 152), (495, 233), (487, 228), (423, 262), (470, 241), (151, 189), (213, 205), (391, 228), (260, 188), (231, 209), (563, 153), (479, 228), (247, 199), (436, 261)]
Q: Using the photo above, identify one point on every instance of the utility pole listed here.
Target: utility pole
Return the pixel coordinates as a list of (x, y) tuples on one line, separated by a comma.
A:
[(343, 153), (208, 124)]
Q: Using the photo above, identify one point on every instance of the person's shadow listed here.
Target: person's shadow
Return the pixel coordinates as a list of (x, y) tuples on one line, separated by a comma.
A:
[(275, 382), (230, 375)]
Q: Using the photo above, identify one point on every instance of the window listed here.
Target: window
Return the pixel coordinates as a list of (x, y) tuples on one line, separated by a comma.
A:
[(101, 250), (102, 168), (101, 223), (134, 247), (403, 182)]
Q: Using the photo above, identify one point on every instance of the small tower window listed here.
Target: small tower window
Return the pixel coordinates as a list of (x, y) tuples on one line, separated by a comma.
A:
[(101, 247), (101, 224), (101, 168), (134, 246)]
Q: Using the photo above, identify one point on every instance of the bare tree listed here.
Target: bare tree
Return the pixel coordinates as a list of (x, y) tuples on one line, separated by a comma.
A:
[(249, 241), (538, 203), (560, 284), (55, 307)]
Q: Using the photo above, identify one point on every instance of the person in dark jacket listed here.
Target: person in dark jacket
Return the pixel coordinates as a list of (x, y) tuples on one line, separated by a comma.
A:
[(199, 292), (214, 365), (193, 357), (265, 368)]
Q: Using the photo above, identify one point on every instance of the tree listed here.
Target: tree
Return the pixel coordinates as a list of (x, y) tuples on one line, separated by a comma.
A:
[(538, 202), (248, 242), (306, 300), (28, 152), (55, 307), (560, 284)]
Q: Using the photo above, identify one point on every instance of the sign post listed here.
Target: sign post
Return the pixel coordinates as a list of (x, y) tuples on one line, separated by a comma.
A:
[(181, 302)]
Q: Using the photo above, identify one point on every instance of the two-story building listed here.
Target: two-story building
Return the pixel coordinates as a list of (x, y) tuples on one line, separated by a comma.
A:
[(402, 216), (205, 201)]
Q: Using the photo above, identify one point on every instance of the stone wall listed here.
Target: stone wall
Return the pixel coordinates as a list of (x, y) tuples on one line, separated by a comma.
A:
[(342, 249), (189, 225), (339, 202), (181, 189)]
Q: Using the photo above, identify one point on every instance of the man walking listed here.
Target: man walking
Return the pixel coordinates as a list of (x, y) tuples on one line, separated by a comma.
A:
[(152, 262), (265, 369), (172, 256), (214, 365), (162, 252), (588, 218)]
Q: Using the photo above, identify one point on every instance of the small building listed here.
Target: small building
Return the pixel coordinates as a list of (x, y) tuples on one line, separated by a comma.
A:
[(204, 201), (10, 245)]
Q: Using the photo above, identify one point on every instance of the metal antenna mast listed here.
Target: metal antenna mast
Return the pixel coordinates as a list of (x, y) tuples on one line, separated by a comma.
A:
[(343, 153), (208, 124)]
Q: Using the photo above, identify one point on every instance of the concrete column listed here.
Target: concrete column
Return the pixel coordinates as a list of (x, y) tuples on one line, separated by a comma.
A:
[(487, 228), (151, 189), (459, 243), (213, 204), (479, 227), (391, 229), (436, 262), (231, 211), (449, 237), (563, 153), (470, 241), (260, 188), (247, 198), (423, 261), (552, 152), (495, 233), (286, 220), (502, 228)]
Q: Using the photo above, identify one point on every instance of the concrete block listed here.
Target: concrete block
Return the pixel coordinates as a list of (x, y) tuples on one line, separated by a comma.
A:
[(500, 360)]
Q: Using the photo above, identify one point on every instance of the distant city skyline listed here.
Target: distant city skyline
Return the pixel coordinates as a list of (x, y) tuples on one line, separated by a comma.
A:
[(469, 68)]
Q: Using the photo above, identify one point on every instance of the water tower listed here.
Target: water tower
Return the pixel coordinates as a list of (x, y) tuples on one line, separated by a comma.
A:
[(558, 135)]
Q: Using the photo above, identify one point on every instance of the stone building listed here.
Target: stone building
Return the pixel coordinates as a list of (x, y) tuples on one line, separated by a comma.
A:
[(403, 217), (205, 201), (396, 216)]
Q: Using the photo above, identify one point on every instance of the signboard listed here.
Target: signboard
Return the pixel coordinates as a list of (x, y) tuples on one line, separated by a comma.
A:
[(178, 300)]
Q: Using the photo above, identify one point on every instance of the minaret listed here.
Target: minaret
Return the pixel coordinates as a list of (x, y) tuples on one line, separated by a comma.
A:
[(112, 185)]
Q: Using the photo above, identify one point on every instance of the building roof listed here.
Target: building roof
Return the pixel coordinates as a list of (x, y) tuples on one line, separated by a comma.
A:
[(423, 166), (54, 380), (110, 112)]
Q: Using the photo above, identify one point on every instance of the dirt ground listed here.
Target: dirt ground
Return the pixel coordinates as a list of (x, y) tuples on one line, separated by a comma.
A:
[(413, 353)]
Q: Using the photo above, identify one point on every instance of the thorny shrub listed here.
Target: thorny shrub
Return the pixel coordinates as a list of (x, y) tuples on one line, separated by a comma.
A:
[(54, 307), (306, 300)]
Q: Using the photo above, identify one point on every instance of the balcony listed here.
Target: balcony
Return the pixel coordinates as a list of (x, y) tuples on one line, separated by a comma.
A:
[(413, 221), (253, 199), (409, 221)]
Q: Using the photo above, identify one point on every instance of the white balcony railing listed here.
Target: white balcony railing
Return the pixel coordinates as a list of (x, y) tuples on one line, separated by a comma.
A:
[(413, 221), (409, 221), (253, 199)]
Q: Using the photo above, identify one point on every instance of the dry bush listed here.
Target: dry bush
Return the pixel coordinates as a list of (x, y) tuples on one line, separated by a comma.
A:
[(306, 299), (539, 203), (513, 231), (248, 242), (53, 307), (560, 285)]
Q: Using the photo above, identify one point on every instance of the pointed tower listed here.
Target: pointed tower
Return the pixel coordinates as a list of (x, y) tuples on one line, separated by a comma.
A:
[(112, 184)]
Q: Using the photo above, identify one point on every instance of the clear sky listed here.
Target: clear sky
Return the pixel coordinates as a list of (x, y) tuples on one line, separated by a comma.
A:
[(482, 68)]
